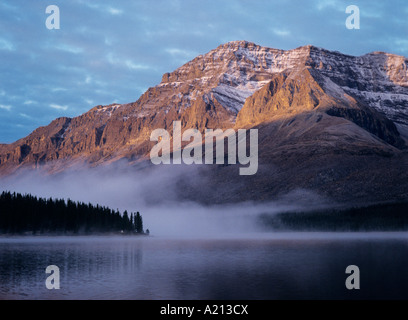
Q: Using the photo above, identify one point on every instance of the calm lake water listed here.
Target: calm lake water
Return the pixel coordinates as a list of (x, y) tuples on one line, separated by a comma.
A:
[(267, 266)]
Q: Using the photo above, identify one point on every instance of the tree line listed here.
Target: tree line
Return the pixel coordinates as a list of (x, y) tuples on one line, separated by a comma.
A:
[(29, 214), (375, 217)]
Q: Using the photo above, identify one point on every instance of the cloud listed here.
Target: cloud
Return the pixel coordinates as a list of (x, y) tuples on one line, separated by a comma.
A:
[(114, 11), (103, 8), (325, 4), (281, 32), (180, 56), (180, 52), (25, 116), (69, 48), (131, 65), (58, 107), (125, 63), (6, 45), (29, 102), (58, 89), (8, 6), (4, 107)]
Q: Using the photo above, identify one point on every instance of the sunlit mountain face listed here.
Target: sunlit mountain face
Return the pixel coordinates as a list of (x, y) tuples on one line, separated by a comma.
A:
[(327, 122)]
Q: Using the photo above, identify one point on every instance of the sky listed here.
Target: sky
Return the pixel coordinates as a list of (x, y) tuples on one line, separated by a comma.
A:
[(112, 51)]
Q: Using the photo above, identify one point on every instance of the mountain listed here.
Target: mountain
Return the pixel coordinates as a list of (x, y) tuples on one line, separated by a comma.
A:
[(328, 122)]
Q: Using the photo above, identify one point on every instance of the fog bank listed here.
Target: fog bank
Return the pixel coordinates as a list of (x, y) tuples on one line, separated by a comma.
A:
[(152, 192)]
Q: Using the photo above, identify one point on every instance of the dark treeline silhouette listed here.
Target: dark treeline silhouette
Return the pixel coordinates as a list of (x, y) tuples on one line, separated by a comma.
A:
[(29, 214), (377, 217)]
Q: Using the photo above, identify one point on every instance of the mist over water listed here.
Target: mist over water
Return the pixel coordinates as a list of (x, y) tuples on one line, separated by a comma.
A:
[(153, 192), (195, 251), (284, 266)]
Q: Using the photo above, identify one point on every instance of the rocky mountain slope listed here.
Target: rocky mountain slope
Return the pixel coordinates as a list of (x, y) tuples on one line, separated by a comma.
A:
[(326, 120)]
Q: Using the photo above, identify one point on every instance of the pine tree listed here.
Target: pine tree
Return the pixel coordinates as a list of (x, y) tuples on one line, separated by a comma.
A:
[(26, 213), (138, 223)]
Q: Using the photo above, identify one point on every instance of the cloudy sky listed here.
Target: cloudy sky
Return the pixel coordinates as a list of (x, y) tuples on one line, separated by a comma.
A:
[(112, 51)]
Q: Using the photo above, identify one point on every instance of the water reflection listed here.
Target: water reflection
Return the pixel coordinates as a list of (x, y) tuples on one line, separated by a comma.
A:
[(152, 268)]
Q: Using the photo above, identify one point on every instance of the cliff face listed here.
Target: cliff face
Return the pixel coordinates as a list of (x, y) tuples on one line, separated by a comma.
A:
[(238, 84), (290, 94)]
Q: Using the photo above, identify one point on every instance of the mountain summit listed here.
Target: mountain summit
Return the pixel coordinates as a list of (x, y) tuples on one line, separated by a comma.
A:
[(307, 103)]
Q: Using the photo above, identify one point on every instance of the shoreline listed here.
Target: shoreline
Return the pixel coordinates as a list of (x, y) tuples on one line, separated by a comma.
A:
[(56, 235)]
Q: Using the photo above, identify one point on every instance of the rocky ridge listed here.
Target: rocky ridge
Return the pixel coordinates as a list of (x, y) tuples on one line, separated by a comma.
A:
[(306, 102)]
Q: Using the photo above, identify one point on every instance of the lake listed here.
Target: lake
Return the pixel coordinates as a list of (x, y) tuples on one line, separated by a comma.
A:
[(262, 266)]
